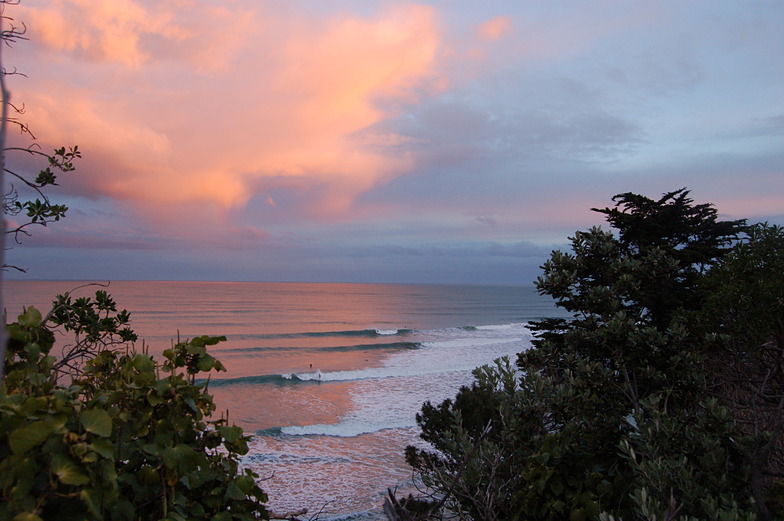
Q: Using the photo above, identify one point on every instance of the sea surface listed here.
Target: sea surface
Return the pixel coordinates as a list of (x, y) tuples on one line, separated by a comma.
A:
[(327, 378)]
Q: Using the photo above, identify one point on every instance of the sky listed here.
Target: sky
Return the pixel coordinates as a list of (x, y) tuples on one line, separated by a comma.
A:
[(384, 141)]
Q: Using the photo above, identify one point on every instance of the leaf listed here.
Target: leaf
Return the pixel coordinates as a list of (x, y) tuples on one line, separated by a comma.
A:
[(206, 363), (92, 499), (230, 434), (30, 318), (234, 492), (244, 483), (152, 449), (98, 422), (57, 421), (147, 475), (67, 472), (27, 437), (26, 516), (143, 363), (103, 447), (171, 458), (24, 471)]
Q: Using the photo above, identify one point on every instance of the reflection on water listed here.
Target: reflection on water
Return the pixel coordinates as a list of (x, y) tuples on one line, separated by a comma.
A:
[(260, 407)]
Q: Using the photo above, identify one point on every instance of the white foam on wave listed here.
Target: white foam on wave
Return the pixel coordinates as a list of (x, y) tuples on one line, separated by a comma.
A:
[(519, 327), (390, 396), (374, 373), (346, 476), (446, 351), (365, 443), (443, 357), (387, 332), (346, 429)]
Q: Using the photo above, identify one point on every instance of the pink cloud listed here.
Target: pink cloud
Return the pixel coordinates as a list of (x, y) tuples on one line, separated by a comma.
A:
[(98, 30), (169, 114), (494, 29)]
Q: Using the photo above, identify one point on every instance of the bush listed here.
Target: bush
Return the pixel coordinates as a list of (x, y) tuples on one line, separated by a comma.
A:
[(127, 438)]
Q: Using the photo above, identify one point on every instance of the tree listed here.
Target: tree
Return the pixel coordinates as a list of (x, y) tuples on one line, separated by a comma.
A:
[(594, 423), (3, 129), (689, 234), (42, 210), (745, 312)]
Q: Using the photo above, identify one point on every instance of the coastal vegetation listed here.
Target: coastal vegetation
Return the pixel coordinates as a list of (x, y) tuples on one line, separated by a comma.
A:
[(661, 398)]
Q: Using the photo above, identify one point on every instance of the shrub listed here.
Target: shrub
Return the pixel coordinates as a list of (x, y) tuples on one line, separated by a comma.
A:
[(127, 438)]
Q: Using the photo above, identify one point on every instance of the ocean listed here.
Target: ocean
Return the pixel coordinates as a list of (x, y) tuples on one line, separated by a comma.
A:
[(327, 378)]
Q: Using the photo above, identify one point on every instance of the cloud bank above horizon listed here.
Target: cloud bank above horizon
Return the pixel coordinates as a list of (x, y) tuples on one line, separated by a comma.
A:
[(386, 141)]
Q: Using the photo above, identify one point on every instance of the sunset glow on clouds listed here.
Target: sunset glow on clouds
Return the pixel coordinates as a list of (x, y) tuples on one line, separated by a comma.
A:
[(350, 141), (189, 127)]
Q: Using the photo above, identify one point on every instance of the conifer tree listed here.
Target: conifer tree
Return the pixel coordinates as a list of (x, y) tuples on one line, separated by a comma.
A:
[(612, 413)]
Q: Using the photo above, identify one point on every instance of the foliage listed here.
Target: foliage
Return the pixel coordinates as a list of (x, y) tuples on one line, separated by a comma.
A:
[(96, 325), (129, 438), (42, 210), (618, 413), (745, 312)]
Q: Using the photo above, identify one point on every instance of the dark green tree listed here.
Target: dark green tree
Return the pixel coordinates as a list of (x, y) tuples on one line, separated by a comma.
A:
[(593, 424), (745, 313)]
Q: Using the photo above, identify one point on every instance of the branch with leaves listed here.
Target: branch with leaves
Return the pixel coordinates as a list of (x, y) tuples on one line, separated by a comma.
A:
[(40, 211), (96, 325)]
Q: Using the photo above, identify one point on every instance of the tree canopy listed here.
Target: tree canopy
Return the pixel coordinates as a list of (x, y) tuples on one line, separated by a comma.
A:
[(628, 410)]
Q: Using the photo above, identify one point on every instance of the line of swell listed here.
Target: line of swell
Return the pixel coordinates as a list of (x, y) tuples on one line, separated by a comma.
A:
[(276, 379), (354, 347), (320, 334), (366, 347)]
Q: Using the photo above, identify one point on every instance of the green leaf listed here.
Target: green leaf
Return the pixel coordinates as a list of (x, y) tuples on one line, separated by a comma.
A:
[(143, 363), (98, 422), (24, 471), (26, 516), (123, 509), (67, 472), (244, 483), (147, 475), (30, 318), (27, 437), (234, 492), (57, 421), (221, 516), (92, 499), (230, 434), (152, 449), (206, 363), (103, 447), (171, 457)]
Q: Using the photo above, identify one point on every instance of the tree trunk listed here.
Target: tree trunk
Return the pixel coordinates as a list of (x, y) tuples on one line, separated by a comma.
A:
[(3, 125)]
